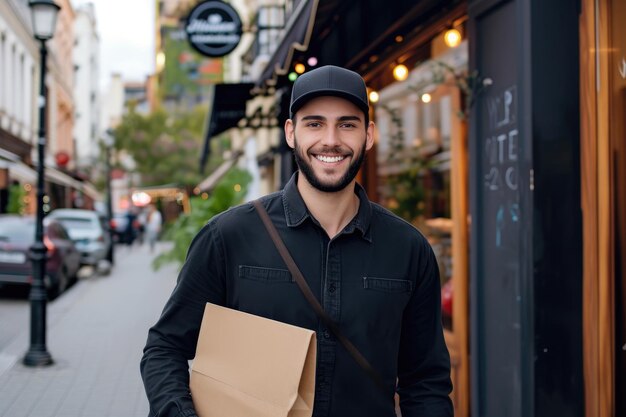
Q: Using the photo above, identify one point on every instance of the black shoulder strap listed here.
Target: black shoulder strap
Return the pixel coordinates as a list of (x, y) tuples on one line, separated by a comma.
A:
[(304, 287)]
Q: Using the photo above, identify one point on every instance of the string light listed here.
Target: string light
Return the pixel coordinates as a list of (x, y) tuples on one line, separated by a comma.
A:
[(300, 68), (374, 97), (452, 38), (426, 98), (400, 72)]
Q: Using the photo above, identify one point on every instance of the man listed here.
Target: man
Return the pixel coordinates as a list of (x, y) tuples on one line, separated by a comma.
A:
[(374, 274)]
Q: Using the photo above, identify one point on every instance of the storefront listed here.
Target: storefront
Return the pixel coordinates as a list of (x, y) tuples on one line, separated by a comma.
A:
[(507, 151)]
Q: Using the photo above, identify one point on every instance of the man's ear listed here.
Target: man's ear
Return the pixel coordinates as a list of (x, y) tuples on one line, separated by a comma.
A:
[(289, 133), (369, 139)]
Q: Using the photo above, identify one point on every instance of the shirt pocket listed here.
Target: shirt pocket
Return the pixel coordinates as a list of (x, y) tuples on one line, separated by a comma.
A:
[(387, 285), (263, 274)]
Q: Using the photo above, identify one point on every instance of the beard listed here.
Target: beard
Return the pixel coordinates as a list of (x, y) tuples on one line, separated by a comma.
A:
[(328, 187)]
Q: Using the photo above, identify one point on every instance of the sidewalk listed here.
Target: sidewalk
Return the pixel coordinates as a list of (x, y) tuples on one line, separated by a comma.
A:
[(96, 333)]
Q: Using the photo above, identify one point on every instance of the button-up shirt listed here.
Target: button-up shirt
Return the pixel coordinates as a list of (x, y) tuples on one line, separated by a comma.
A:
[(377, 279)]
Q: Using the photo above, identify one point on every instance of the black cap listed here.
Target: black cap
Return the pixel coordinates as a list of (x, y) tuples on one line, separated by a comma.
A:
[(329, 80)]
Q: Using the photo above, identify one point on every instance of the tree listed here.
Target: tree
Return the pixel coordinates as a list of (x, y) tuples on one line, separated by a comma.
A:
[(165, 147)]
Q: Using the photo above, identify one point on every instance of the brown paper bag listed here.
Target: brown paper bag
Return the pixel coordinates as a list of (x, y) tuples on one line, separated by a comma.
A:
[(250, 366)]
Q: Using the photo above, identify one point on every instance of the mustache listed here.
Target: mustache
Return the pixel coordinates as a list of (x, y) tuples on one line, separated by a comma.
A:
[(337, 150)]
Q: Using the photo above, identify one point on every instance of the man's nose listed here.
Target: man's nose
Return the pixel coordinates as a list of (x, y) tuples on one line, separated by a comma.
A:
[(331, 137)]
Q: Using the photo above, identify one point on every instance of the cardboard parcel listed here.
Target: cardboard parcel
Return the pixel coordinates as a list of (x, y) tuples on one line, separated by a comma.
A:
[(250, 366)]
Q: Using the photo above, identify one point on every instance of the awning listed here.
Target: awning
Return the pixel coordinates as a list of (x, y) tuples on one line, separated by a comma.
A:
[(209, 182), (22, 173), (297, 37), (227, 109), (57, 177)]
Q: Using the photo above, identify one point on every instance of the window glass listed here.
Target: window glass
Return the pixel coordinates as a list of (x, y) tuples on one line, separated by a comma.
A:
[(77, 223), (414, 172), (15, 230)]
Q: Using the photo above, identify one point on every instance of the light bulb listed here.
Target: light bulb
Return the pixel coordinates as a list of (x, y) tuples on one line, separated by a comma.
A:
[(452, 38), (400, 72)]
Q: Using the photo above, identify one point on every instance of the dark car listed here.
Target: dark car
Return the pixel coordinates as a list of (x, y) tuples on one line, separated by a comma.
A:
[(17, 235), (125, 227)]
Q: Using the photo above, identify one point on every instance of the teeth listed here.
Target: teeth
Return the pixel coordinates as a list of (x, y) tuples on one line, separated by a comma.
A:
[(330, 158)]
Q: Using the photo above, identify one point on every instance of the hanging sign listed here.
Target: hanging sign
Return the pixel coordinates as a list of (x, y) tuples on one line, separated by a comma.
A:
[(213, 28)]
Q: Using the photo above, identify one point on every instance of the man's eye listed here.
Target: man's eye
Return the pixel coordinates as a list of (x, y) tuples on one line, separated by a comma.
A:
[(313, 124), (348, 125)]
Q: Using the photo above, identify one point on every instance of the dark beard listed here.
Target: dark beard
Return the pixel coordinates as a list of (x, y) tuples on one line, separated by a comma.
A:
[(307, 170)]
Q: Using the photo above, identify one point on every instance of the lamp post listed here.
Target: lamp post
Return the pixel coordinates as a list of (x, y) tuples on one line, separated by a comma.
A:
[(108, 144), (44, 16)]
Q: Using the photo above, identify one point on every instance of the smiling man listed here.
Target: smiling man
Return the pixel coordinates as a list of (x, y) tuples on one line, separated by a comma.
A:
[(374, 274)]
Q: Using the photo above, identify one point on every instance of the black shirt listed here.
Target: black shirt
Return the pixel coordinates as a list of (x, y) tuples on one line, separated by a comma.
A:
[(378, 279)]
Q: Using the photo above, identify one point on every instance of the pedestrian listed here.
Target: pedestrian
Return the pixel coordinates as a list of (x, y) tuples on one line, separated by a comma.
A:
[(153, 225), (375, 275), (130, 231), (142, 217)]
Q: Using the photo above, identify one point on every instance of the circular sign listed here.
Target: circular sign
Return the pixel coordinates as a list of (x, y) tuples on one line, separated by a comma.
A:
[(62, 158), (213, 28)]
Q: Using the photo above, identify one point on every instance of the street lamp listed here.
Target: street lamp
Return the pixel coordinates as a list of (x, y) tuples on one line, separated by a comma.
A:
[(44, 17), (108, 140)]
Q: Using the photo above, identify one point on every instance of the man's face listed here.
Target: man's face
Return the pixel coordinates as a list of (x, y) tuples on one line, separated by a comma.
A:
[(332, 139)]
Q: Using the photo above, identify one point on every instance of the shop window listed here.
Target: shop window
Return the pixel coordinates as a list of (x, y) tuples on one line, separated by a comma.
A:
[(414, 171)]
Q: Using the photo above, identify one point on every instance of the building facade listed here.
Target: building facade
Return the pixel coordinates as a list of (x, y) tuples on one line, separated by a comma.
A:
[(19, 63), (86, 87), (19, 95)]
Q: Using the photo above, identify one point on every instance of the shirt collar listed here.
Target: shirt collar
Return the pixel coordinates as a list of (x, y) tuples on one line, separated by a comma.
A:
[(296, 211)]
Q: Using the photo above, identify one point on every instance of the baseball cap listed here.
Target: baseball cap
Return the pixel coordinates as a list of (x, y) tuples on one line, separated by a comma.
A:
[(329, 80)]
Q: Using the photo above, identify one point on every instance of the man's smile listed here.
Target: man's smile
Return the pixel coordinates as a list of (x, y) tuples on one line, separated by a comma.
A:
[(330, 159)]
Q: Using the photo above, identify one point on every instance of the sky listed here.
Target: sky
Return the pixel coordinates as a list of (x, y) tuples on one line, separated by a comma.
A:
[(126, 30)]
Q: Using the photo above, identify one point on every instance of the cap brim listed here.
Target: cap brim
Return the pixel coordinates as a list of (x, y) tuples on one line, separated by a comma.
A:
[(305, 98)]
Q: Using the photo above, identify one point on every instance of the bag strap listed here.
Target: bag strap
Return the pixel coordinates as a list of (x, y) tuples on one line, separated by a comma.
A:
[(308, 294)]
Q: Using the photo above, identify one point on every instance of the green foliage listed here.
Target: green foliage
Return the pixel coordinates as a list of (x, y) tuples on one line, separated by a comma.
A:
[(16, 199), (165, 147), (183, 230), (405, 188), (471, 84), (408, 193)]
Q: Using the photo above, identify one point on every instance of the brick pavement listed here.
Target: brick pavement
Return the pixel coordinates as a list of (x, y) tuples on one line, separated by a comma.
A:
[(96, 332)]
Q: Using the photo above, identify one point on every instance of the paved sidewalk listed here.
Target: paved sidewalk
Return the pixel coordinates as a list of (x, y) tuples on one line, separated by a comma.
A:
[(96, 333)]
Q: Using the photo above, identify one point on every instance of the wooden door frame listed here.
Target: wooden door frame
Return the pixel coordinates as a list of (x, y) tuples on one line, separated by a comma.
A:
[(458, 339), (597, 207)]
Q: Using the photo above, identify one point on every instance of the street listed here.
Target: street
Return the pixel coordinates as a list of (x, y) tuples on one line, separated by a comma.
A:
[(95, 333)]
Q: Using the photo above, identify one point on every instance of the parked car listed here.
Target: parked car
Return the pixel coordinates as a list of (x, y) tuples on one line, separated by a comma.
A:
[(88, 233), (17, 235)]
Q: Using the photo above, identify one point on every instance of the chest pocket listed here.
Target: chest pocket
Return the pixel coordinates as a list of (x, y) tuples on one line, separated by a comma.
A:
[(262, 274), (268, 292), (387, 285)]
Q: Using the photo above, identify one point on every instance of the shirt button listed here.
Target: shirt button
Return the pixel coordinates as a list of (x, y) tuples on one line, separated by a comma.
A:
[(326, 334), (332, 288)]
